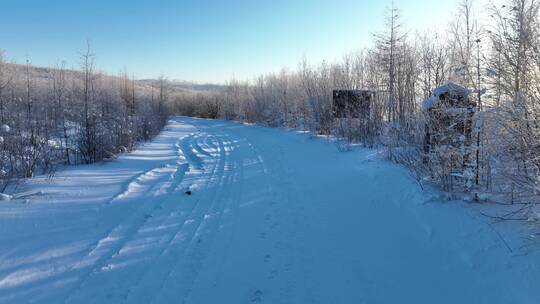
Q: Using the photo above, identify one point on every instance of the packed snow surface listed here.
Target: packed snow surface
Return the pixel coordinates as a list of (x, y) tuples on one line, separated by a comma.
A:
[(274, 216)]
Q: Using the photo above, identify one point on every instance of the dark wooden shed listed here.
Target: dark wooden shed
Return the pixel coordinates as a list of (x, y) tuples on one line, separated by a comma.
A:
[(352, 103)]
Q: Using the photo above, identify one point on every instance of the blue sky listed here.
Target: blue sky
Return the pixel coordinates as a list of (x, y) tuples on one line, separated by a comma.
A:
[(202, 41)]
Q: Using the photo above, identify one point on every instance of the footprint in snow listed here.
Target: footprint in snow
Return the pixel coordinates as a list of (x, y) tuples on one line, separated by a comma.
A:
[(256, 297), (273, 274)]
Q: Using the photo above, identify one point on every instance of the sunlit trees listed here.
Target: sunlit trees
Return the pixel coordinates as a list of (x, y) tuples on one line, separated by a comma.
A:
[(5, 79), (499, 66), (515, 78), (53, 116)]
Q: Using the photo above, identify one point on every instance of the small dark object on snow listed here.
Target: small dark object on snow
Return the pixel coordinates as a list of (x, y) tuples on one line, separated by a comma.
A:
[(188, 192)]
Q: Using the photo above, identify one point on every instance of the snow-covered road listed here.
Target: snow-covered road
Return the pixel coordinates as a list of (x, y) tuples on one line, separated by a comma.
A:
[(274, 217)]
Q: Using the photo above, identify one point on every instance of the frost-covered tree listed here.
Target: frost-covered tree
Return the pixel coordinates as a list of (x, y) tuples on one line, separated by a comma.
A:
[(53, 116), (390, 49), (5, 79), (515, 76)]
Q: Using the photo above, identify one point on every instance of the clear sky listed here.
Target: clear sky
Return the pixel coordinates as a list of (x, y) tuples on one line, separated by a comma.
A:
[(202, 41)]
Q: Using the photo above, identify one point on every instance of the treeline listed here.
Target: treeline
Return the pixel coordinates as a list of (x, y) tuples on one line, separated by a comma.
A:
[(497, 60), (57, 116)]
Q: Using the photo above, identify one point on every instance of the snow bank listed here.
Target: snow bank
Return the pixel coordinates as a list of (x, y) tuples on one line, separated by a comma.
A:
[(5, 197)]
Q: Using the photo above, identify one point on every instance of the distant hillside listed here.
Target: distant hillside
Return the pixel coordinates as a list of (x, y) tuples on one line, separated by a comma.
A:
[(187, 86), (42, 74)]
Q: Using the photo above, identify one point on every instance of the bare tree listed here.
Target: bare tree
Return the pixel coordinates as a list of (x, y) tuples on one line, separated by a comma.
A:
[(389, 49), (88, 146), (59, 84), (6, 77)]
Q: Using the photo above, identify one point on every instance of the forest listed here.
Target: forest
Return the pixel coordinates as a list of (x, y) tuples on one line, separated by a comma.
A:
[(51, 117), (492, 52)]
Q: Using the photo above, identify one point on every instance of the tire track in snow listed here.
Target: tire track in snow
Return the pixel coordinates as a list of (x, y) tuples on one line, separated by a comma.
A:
[(185, 220), (186, 148), (134, 179), (197, 146), (229, 223), (187, 237), (141, 251), (197, 254), (109, 246), (170, 255)]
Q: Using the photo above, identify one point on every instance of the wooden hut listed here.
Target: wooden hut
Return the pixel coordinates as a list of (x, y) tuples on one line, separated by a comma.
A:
[(352, 103), (353, 115)]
